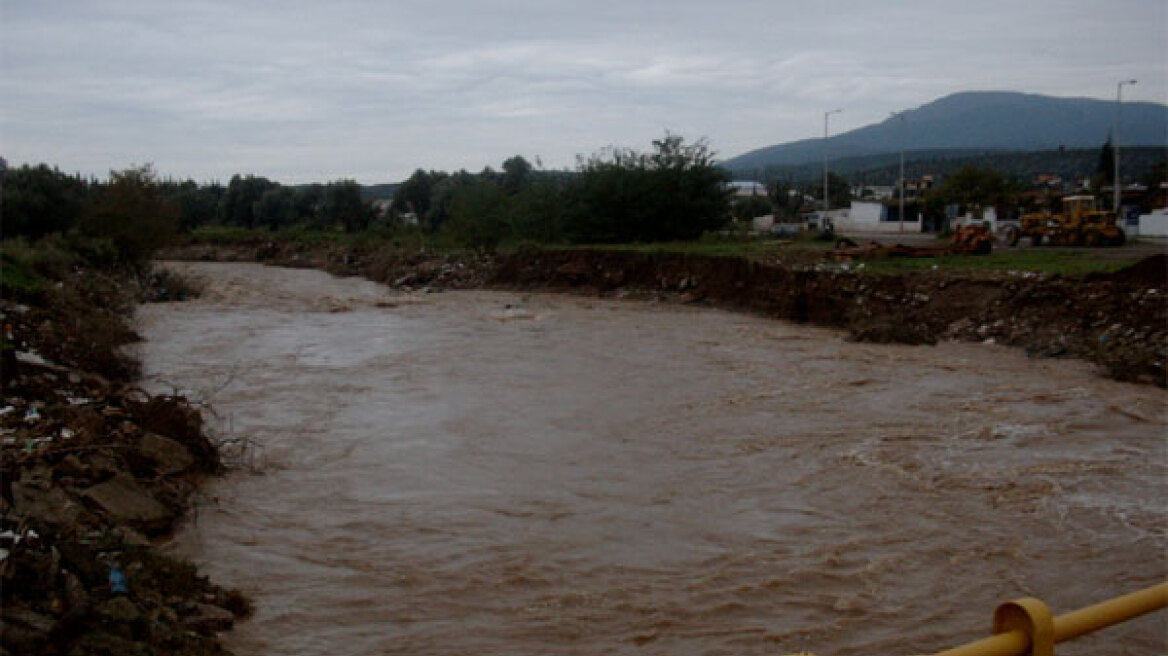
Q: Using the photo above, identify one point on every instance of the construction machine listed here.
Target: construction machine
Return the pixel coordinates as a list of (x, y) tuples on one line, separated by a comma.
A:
[(1080, 223)]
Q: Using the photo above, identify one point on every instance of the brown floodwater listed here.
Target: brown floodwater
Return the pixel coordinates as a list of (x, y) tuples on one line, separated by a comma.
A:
[(504, 473)]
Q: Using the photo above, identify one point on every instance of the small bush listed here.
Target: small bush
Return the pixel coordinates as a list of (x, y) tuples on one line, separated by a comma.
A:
[(28, 270), (18, 275), (132, 214), (167, 285)]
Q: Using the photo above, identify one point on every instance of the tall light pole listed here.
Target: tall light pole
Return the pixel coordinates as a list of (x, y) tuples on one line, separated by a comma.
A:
[(826, 196), (900, 115), (1115, 149)]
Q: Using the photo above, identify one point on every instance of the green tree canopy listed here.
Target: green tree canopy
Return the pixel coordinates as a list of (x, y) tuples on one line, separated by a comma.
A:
[(38, 200), (480, 215), (131, 212), (242, 195), (275, 208), (516, 172), (976, 187), (673, 192), (343, 204), (414, 194), (1105, 169)]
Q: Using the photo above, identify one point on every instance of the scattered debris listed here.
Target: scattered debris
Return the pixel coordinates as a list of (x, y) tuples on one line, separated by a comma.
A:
[(90, 469), (967, 240)]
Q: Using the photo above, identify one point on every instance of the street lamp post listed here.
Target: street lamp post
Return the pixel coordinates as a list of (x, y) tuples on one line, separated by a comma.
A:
[(826, 197), (1115, 149), (900, 115)]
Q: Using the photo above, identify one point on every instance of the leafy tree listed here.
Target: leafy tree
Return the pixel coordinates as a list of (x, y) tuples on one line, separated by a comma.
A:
[(197, 205), (242, 195), (343, 203), (973, 188), (839, 187), (276, 208), (745, 209), (977, 187), (414, 194), (673, 192), (538, 212), (1105, 169), (442, 194), (516, 172), (480, 214), (308, 205), (788, 200), (132, 214), (36, 201)]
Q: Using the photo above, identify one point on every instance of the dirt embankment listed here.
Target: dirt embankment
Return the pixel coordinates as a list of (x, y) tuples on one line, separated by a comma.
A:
[(94, 469), (1118, 321)]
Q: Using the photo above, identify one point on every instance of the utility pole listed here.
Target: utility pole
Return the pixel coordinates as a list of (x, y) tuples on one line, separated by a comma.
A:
[(826, 196), (900, 115), (1115, 148)]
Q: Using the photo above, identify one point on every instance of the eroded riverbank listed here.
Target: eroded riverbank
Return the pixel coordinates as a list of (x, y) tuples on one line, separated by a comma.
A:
[(1117, 321), (503, 472), (93, 470)]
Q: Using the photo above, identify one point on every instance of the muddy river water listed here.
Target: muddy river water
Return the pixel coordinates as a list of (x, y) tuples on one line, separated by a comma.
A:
[(503, 473)]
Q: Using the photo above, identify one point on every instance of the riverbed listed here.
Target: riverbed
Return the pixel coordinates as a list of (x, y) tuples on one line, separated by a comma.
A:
[(503, 473)]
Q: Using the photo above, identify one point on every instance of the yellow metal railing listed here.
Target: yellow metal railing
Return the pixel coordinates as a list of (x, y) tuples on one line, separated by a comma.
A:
[(1026, 627)]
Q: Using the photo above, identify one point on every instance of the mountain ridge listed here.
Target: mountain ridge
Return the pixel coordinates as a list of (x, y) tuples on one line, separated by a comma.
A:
[(985, 120)]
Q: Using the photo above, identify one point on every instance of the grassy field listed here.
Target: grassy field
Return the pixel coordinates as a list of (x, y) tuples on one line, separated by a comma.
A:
[(804, 250), (1061, 261)]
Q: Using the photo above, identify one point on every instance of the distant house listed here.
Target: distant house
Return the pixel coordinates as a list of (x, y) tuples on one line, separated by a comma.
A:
[(874, 216), (874, 192), (826, 219), (381, 206), (746, 188), (763, 223), (1153, 224), (917, 186)]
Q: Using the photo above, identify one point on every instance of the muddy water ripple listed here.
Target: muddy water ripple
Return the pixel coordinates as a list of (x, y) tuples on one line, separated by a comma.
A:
[(499, 473)]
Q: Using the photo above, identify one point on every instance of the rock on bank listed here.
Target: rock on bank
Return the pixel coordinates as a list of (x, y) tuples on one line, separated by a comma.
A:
[(93, 469)]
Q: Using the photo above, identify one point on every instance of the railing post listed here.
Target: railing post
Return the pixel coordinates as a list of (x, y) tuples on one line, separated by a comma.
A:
[(1030, 616)]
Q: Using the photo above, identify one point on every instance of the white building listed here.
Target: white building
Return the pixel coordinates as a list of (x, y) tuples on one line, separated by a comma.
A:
[(875, 192), (1154, 224), (763, 223), (870, 216), (746, 188)]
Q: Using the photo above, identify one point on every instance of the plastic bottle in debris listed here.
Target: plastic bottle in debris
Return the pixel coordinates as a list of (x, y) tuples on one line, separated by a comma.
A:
[(117, 581)]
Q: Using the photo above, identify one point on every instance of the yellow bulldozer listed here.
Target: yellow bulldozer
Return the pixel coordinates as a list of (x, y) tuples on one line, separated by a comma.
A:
[(1080, 223)]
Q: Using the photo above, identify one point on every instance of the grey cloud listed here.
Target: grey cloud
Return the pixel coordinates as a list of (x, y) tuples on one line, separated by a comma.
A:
[(311, 91)]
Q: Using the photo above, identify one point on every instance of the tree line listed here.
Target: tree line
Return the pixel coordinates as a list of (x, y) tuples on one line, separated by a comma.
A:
[(673, 191)]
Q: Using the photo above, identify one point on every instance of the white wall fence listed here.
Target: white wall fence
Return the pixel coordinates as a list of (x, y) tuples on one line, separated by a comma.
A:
[(1154, 224), (866, 216)]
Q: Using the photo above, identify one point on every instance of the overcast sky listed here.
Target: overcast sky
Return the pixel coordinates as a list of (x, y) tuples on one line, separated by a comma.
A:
[(304, 91)]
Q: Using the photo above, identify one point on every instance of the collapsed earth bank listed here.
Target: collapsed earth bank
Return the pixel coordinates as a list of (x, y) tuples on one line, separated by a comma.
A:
[(92, 472), (1118, 321)]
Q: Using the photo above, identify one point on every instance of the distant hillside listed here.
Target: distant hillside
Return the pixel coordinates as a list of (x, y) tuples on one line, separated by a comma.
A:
[(980, 121), (1069, 163)]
